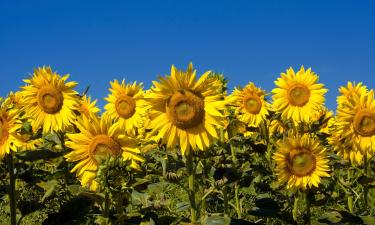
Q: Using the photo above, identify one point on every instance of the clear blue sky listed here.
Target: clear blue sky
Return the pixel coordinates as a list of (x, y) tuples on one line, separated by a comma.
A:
[(98, 41)]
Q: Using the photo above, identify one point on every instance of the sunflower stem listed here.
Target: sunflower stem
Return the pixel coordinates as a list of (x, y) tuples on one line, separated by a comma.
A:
[(106, 205), (236, 186), (365, 186), (295, 207), (238, 205), (190, 168), (222, 136), (225, 195), (350, 197), (308, 207), (12, 190)]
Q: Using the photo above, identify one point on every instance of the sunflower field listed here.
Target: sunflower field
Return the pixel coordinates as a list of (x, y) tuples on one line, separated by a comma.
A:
[(187, 151)]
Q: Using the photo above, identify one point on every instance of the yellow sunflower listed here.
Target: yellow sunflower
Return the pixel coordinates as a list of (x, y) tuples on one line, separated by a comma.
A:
[(26, 142), (323, 116), (250, 104), (297, 95), (14, 100), (127, 106), (88, 108), (348, 92), (186, 111), (49, 100), (356, 121), (344, 148), (99, 138), (277, 127), (9, 125), (301, 162)]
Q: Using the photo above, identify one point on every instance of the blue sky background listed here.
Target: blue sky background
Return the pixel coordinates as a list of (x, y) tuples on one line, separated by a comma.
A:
[(98, 41)]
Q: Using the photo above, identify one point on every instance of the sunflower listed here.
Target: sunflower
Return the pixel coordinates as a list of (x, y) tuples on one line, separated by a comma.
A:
[(49, 100), (250, 104), (186, 111), (356, 121), (324, 118), (99, 138), (26, 142), (87, 108), (9, 125), (348, 92), (344, 148), (297, 95), (127, 106), (301, 162), (14, 100), (277, 127)]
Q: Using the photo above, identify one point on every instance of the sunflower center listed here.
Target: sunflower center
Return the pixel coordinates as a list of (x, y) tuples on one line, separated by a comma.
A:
[(50, 100), (364, 123), (3, 130), (102, 146), (252, 104), (298, 95), (185, 109), (125, 106), (302, 163)]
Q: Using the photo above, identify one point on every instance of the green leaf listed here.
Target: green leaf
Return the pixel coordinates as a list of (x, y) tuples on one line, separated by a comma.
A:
[(342, 217), (75, 189), (182, 206), (95, 197), (368, 220), (53, 137), (365, 180), (139, 198), (140, 181), (49, 187), (217, 220), (32, 156), (331, 218), (27, 127)]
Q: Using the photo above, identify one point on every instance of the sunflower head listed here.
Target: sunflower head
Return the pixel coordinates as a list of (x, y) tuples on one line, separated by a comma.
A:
[(14, 100), (323, 118), (88, 108), (277, 127), (9, 126), (297, 95), (98, 139), (356, 120), (301, 162), (49, 100), (349, 92), (126, 105), (186, 111), (26, 142), (250, 104), (343, 147)]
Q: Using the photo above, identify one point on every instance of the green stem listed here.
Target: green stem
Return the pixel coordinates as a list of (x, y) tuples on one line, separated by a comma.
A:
[(350, 197), (295, 207), (225, 195), (233, 153), (365, 186), (236, 186), (190, 168), (222, 135), (12, 190), (238, 206), (120, 211), (106, 205), (308, 208)]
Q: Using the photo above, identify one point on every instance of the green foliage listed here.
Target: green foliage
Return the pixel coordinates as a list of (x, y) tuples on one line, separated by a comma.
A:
[(235, 183)]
